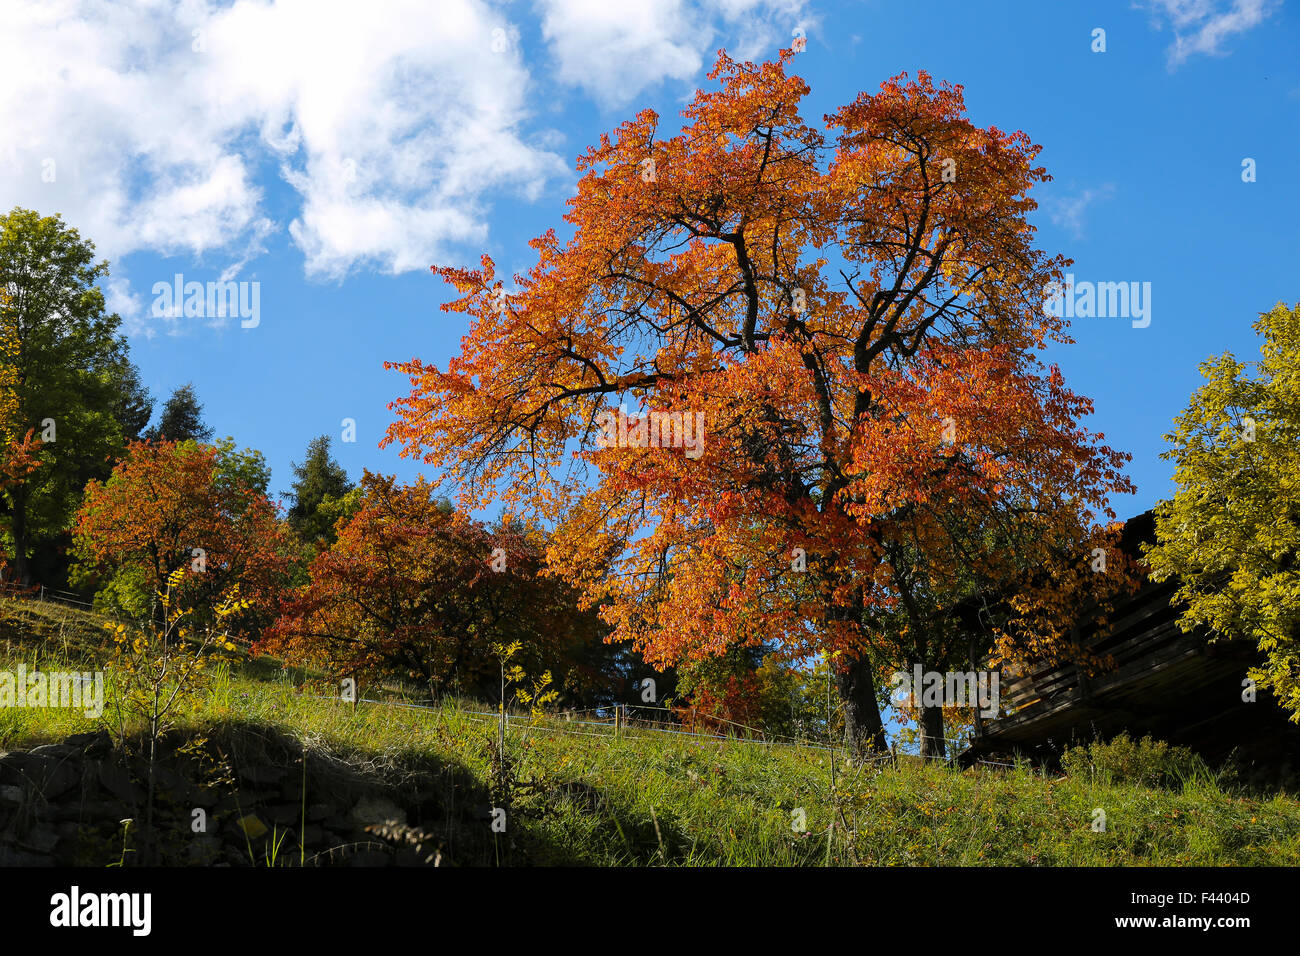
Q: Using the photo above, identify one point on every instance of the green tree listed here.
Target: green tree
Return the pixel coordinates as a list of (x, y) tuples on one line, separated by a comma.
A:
[(242, 469), (134, 405), (1231, 533), (181, 419), (73, 382), (319, 487)]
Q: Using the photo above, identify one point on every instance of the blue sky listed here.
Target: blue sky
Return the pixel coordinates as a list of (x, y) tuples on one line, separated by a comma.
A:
[(331, 152)]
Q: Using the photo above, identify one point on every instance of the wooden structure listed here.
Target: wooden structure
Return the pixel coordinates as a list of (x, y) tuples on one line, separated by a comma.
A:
[(1186, 688)]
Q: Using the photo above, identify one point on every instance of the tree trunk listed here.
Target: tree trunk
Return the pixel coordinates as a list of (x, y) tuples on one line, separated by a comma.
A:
[(975, 711), (864, 732), (932, 740), (18, 527)]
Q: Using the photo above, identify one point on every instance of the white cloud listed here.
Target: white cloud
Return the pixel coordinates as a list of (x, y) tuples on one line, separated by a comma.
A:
[(1202, 26), (119, 297), (374, 136), (614, 50), (1067, 212), (392, 122)]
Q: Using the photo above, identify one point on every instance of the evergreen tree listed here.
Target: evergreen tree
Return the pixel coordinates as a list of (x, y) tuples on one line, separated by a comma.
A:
[(134, 405), (182, 418), (318, 481)]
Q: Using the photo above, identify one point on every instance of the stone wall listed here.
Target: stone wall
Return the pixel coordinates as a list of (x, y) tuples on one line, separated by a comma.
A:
[(84, 802)]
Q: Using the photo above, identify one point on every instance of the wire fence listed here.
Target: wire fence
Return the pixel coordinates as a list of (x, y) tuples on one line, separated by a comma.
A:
[(624, 717), (615, 727), (53, 597), (611, 728), (39, 592)]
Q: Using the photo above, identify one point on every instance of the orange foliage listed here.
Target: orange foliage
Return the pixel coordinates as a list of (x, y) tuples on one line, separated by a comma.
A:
[(167, 507), (855, 310), (419, 591)]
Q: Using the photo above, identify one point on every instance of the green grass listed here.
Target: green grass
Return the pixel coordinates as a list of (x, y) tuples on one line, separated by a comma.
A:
[(649, 798)]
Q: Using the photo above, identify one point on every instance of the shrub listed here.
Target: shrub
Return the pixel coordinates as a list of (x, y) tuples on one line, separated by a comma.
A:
[(1147, 762), (126, 594)]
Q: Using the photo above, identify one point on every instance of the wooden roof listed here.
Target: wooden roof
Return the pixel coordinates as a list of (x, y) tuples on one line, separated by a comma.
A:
[(1185, 688)]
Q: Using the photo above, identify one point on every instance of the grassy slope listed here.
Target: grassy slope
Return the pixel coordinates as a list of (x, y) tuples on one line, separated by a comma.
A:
[(649, 798)]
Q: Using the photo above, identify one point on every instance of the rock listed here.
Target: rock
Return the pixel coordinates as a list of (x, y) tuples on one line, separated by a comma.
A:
[(95, 744), (48, 775), (90, 810), (12, 796), (291, 790), (236, 856), (56, 751), (69, 853), (39, 839), (203, 850), (285, 814), (317, 812), (251, 826), (375, 809), (182, 790), (370, 858), (11, 857), (15, 766), (244, 801), (228, 804), (262, 776), (114, 778)]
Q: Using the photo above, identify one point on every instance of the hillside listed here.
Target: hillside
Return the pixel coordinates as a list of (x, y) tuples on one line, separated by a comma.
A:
[(288, 778)]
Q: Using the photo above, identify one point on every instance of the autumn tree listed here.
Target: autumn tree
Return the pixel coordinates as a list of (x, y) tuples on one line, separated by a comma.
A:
[(17, 450), (1231, 534), (976, 588), (173, 506), (416, 590), (770, 353), (753, 688), (72, 380)]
